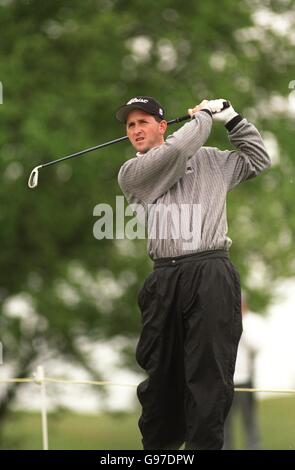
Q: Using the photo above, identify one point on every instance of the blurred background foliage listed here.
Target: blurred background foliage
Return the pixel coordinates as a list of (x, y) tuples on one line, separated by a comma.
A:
[(65, 67)]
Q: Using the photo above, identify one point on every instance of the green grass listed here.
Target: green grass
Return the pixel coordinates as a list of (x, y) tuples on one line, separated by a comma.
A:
[(68, 430), (278, 423), (119, 431), (276, 418)]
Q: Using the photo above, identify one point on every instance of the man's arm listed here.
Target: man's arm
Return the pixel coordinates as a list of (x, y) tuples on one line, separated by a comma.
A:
[(250, 158), (150, 175)]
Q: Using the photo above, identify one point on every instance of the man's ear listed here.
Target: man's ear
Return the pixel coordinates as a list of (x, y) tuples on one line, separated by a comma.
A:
[(163, 126)]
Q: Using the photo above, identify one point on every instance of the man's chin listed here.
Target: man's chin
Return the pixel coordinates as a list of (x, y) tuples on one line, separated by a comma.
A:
[(142, 148)]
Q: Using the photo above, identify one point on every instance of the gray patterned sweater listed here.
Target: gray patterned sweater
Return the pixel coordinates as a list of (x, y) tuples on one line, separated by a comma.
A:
[(182, 185)]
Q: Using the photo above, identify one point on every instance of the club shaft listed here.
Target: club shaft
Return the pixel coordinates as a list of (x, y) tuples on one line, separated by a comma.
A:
[(82, 152), (120, 139), (105, 144)]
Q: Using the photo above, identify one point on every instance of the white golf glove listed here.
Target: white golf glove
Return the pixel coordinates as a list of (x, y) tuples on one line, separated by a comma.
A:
[(215, 106), (226, 115)]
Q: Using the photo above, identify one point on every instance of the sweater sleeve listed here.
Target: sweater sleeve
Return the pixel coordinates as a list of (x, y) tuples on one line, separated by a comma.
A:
[(250, 157), (148, 176)]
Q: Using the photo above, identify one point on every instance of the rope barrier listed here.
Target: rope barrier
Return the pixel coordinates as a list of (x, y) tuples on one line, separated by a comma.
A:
[(118, 384), (89, 382), (65, 381), (274, 390), (10, 381)]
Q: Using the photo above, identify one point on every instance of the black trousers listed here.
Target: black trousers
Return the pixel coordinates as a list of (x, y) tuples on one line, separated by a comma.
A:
[(191, 326)]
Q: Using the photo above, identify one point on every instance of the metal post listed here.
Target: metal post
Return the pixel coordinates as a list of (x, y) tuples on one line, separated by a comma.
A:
[(39, 378)]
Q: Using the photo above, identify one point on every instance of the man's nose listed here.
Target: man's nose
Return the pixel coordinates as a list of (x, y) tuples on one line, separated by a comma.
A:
[(137, 129)]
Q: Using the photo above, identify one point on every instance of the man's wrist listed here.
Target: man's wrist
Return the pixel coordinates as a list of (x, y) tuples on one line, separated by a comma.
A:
[(229, 114), (233, 121), (206, 110)]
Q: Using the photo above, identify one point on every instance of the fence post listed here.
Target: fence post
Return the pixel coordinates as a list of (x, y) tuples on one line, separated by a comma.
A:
[(39, 379)]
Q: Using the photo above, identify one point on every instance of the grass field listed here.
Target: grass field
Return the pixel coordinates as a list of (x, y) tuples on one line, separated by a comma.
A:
[(119, 431)]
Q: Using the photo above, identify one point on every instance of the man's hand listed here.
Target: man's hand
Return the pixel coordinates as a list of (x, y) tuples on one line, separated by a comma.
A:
[(215, 106), (223, 116), (199, 107)]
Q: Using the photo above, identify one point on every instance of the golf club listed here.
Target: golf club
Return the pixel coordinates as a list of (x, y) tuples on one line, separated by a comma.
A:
[(33, 179)]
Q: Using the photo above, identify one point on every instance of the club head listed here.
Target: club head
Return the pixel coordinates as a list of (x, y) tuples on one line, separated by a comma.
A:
[(33, 179)]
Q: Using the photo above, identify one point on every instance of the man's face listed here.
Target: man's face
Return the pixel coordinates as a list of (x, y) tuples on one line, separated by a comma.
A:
[(143, 131)]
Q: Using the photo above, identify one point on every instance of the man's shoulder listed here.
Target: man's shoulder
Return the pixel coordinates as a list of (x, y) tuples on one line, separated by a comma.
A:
[(128, 162), (205, 155), (209, 151)]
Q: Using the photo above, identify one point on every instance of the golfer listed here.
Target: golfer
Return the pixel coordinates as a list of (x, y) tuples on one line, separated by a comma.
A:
[(191, 301)]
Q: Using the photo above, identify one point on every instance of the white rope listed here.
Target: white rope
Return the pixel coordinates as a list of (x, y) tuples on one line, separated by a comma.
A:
[(262, 390), (39, 381)]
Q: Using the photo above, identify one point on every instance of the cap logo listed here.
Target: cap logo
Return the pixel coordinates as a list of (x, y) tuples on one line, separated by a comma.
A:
[(138, 100)]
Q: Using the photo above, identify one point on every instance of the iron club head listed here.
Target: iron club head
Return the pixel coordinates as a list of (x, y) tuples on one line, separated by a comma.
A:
[(33, 179)]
